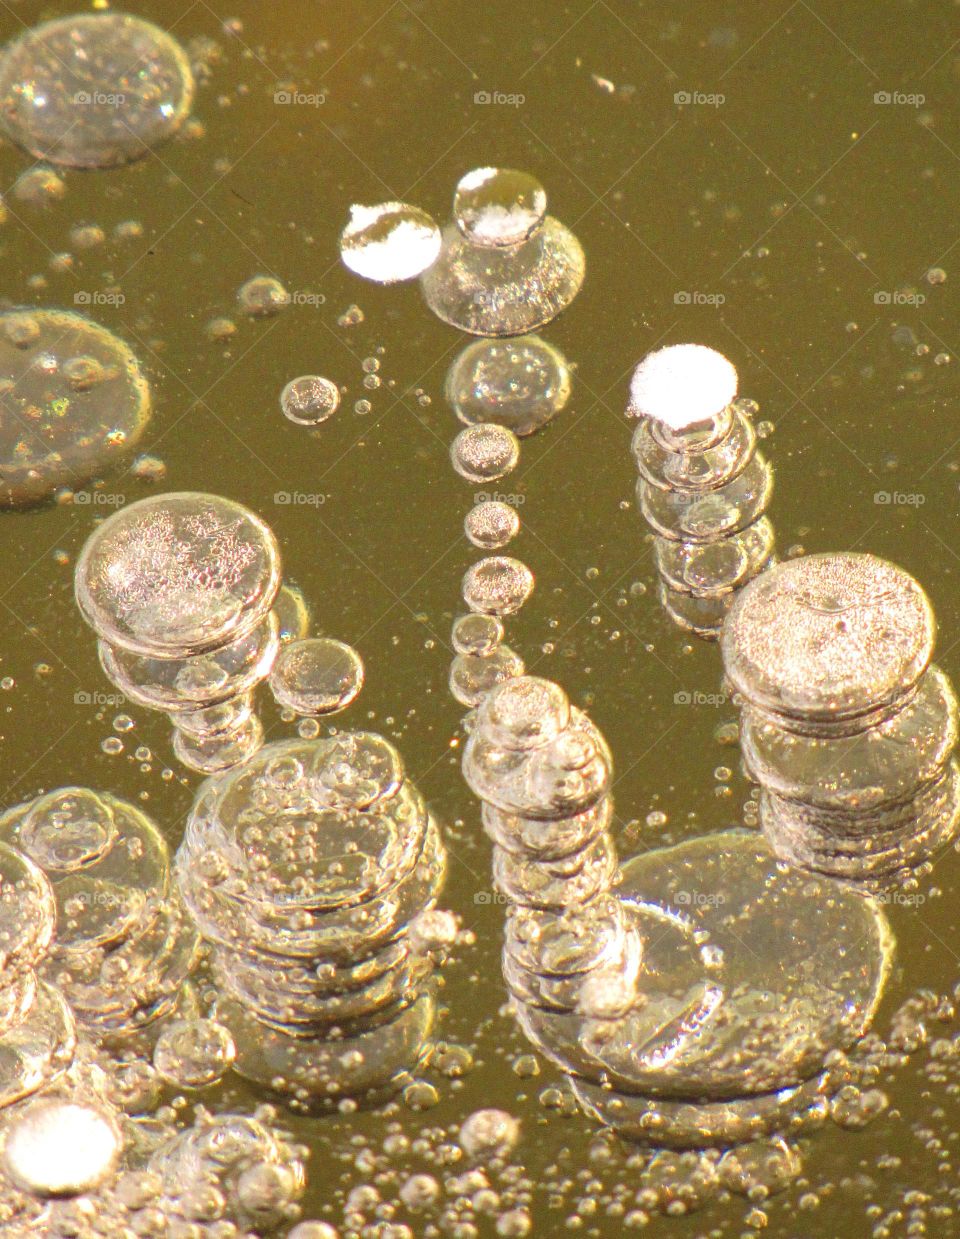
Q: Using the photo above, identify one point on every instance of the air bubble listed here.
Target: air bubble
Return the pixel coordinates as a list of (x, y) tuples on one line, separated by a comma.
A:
[(316, 676), (389, 242), (309, 400), (485, 452)]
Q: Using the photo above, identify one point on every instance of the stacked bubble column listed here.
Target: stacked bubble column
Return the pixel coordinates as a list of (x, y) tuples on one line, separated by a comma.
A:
[(37, 1030), (179, 589), (846, 725), (703, 487), (308, 871), (124, 947)]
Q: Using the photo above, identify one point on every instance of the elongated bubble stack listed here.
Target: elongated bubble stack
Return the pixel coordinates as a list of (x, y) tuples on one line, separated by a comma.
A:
[(846, 725), (37, 1032), (703, 487), (677, 1025), (308, 870), (123, 946), (179, 589)]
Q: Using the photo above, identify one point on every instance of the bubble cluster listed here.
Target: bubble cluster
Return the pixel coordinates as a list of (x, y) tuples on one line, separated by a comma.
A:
[(73, 403), (37, 1032), (94, 90), (179, 590), (703, 487), (521, 384), (390, 242), (638, 979), (846, 725), (505, 267), (123, 947), (304, 869)]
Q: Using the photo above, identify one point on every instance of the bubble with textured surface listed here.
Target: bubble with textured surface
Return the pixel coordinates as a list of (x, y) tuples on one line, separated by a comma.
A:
[(94, 90), (316, 676), (74, 401), (485, 452), (309, 400), (521, 384)]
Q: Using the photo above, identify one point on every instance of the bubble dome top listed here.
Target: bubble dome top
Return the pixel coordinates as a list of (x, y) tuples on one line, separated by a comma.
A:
[(499, 207), (682, 384), (94, 90), (73, 400), (828, 636), (177, 574), (28, 913)]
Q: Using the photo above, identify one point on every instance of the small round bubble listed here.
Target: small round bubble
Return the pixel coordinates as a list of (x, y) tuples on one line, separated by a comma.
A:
[(316, 676), (485, 452), (309, 400), (389, 242), (491, 524), (498, 585), (499, 207)]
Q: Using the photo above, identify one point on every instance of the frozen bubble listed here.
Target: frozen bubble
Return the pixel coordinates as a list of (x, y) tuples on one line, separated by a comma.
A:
[(525, 714), (499, 207), (472, 676), (485, 452), (262, 296), (476, 634), (489, 1133), (94, 90), (316, 676), (177, 574), (682, 385), (27, 912), (293, 612), (828, 637), (39, 186), (57, 1147), (309, 400), (491, 524), (73, 402), (193, 1053), (521, 384), (505, 267), (389, 242), (497, 585)]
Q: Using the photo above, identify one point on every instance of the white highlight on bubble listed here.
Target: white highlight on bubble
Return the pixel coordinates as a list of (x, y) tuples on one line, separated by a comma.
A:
[(682, 384), (389, 242), (59, 1148)]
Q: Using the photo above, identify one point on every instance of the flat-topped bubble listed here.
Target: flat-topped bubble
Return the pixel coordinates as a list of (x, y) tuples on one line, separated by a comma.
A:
[(58, 1147), (73, 402), (309, 400), (497, 585), (525, 714), (521, 384), (485, 452), (94, 90), (389, 242), (828, 636), (316, 676), (177, 574), (497, 207), (262, 296), (682, 385)]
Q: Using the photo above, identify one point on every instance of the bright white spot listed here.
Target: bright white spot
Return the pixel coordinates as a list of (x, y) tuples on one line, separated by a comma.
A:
[(682, 384), (59, 1148), (389, 242)]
